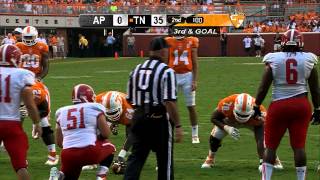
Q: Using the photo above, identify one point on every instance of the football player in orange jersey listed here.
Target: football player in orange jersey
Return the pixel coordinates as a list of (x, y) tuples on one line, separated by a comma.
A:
[(118, 111), (183, 55), (42, 100), (34, 54), (233, 112)]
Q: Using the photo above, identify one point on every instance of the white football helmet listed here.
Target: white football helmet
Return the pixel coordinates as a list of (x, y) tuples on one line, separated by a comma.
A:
[(29, 35), (18, 30), (243, 107), (113, 103)]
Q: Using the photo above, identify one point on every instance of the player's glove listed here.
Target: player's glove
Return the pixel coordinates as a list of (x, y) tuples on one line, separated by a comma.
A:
[(119, 166), (233, 132), (23, 112), (257, 111), (114, 128), (315, 120)]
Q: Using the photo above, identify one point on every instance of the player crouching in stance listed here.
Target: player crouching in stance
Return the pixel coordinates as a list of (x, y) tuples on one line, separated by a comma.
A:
[(118, 111), (235, 112), (82, 132)]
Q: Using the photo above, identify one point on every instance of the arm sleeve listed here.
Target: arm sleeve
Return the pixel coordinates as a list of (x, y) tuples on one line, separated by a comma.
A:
[(268, 59), (129, 88), (27, 78), (45, 48), (195, 43), (57, 115), (169, 86), (43, 109)]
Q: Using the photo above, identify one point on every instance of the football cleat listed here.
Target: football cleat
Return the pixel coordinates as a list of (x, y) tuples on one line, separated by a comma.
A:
[(54, 174), (208, 163), (52, 161), (195, 140), (89, 167), (277, 164)]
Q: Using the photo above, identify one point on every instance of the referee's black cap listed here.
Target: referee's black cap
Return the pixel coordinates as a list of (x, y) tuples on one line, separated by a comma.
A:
[(158, 43)]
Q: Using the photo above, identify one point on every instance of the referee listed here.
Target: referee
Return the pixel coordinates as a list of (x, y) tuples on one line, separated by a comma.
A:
[(152, 90)]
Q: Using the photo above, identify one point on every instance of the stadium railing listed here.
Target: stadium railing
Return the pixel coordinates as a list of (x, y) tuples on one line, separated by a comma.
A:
[(45, 9)]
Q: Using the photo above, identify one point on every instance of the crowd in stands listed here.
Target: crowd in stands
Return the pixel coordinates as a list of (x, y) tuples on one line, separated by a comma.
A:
[(304, 22)]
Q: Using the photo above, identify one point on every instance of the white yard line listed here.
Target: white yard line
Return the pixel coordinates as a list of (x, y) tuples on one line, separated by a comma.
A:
[(69, 77), (116, 71)]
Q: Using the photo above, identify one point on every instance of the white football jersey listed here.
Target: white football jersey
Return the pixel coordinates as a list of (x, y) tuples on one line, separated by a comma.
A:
[(79, 124), (291, 72), (12, 81)]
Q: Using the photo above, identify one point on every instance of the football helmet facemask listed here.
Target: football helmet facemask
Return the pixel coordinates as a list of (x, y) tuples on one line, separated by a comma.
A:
[(29, 35), (113, 103), (83, 93), (243, 107)]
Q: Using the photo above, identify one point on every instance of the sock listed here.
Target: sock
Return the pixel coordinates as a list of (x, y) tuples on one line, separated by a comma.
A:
[(195, 130), (102, 171), (260, 161), (52, 150), (122, 153), (301, 172), (267, 171), (211, 154)]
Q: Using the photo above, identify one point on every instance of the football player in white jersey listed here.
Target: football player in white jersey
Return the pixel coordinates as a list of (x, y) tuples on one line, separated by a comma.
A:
[(82, 132), (15, 86), (290, 71)]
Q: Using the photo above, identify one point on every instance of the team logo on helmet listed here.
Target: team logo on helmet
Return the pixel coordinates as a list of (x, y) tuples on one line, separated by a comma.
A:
[(29, 35), (83, 93), (292, 38), (243, 107), (10, 55), (113, 103)]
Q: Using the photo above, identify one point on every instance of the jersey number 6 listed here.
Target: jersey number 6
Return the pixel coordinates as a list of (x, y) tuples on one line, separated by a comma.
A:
[(291, 71)]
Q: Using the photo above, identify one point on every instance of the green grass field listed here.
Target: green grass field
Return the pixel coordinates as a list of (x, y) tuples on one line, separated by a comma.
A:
[(218, 77)]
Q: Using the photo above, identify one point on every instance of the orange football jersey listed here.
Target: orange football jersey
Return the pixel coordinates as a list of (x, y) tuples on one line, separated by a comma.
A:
[(41, 94), (31, 58), (180, 53), (226, 106), (127, 109)]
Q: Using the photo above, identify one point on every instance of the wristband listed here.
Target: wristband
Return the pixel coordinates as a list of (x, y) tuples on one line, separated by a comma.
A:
[(178, 126)]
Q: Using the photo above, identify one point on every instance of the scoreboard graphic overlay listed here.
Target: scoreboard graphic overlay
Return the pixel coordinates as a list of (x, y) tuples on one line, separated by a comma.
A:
[(184, 24)]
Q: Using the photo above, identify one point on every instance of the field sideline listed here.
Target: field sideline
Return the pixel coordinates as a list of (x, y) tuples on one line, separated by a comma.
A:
[(218, 78)]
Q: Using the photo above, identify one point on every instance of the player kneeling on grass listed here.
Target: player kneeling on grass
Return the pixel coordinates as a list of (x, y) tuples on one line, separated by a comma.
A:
[(118, 111), (235, 112), (82, 132)]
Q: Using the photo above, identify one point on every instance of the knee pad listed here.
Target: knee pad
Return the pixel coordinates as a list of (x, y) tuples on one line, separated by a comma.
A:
[(47, 135), (215, 143)]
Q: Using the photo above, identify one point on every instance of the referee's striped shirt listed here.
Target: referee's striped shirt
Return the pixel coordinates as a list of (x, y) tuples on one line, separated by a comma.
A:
[(151, 82)]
